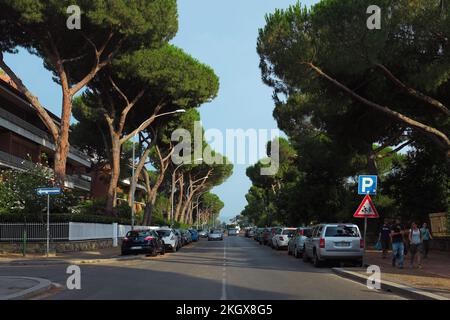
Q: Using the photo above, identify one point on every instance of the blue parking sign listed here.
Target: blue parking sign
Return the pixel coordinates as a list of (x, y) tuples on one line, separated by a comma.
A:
[(367, 185)]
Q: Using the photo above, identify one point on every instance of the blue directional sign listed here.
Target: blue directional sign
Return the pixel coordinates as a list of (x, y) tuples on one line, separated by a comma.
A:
[(367, 185), (48, 191)]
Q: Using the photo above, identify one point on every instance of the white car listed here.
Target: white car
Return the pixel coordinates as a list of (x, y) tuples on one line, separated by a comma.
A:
[(170, 239), (281, 237), (215, 235)]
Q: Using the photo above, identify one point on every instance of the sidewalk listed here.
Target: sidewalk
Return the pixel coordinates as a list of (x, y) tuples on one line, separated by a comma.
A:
[(434, 277), (101, 255)]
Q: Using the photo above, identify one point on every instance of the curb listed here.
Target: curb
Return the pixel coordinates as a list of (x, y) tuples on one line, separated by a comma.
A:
[(68, 261), (42, 286), (400, 289)]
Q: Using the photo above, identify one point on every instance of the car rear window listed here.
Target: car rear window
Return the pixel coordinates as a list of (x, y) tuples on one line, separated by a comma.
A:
[(163, 233), (288, 231), (137, 234), (342, 231)]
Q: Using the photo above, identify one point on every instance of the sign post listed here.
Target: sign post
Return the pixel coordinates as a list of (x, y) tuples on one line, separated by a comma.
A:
[(48, 192), (366, 210)]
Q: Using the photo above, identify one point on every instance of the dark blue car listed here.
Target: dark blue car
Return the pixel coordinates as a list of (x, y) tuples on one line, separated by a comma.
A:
[(194, 234)]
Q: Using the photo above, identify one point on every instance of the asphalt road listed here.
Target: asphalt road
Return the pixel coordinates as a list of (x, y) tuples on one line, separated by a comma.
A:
[(234, 269)]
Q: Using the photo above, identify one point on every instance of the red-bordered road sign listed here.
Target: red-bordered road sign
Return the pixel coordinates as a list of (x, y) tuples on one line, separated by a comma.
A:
[(366, 209)]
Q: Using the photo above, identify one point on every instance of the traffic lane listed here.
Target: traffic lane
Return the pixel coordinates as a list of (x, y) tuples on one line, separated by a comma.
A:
[(275, 275), (194, 272)]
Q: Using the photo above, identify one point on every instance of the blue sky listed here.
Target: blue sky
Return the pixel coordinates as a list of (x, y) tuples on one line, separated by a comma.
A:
[(223, 35)]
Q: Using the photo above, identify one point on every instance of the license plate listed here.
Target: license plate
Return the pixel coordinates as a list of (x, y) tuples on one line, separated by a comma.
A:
[(136, 248), (342, 244)]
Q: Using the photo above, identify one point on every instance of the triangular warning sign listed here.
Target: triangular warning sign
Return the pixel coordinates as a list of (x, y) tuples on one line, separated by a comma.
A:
[(366, 209)]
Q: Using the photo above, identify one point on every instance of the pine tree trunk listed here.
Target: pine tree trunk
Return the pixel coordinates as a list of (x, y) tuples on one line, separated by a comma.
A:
[(115, 173), (62, 145)]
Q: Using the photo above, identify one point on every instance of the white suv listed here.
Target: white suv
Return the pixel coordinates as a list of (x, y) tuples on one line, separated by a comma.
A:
[(170, 239), (334, 241), (281, 237)]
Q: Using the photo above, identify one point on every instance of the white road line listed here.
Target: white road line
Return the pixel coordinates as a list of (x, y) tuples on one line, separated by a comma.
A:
[(224, 274)]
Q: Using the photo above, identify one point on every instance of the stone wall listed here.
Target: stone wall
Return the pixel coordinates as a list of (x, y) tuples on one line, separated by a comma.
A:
[(58, 247)]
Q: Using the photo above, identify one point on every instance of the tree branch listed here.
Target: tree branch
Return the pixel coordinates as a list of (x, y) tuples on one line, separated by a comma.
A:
[(143, 125), (432, 132), (34, 101), (419, 95)]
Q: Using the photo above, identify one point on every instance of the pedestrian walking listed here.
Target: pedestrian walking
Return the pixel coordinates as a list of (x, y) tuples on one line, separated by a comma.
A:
[(398, 245), (384, 238), (415, 244), (426, 237)]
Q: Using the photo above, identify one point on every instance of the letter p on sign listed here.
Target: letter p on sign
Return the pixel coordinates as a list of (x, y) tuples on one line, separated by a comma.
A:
[(367, 185)]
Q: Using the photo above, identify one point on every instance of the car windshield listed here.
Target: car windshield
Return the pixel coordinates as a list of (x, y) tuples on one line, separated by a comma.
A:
[(342, 231), (163, 233), (135, 234), (288, 231), (216, 231)]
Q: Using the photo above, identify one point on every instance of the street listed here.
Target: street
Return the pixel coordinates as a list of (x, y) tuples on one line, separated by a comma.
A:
[(237, 268)]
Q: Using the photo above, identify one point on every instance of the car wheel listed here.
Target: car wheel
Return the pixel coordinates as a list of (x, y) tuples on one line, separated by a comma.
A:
[(317, 263), (124, 253), (300, 254), (305, 257)]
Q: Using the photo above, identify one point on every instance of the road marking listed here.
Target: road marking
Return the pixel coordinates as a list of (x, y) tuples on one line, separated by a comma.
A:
[(224, 273)]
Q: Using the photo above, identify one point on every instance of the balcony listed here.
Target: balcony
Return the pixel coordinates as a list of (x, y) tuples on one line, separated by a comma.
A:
[(25, 129), (81, 182)]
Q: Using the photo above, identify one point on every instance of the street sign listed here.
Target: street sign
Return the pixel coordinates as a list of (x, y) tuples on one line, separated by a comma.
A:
[(48, 191), (367, 185), (366, 209)]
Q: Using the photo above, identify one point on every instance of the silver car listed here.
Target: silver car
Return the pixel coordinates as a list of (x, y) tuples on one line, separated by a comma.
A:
[(334, 241), (215, 235), (296, 245)]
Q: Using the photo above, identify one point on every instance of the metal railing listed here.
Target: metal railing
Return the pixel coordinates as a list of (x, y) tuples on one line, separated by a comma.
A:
[(15, 162), (79, 181), (15, 232), (64, 231), (38, 132)]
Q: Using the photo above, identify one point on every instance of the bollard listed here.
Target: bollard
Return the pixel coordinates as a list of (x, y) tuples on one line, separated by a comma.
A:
[(24, 249)]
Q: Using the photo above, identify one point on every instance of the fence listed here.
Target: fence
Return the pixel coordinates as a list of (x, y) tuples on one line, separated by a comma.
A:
[(68, 231)]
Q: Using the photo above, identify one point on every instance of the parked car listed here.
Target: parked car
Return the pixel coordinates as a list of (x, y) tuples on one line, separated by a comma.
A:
[(194, 235), (186, 236), (337, 242), (180, 237), (281, 237), (170, 239), (215, 235), (232, 232), (265, 236), (249, 232), (143, 241), (258, 234), (296, 244), (203, 233)]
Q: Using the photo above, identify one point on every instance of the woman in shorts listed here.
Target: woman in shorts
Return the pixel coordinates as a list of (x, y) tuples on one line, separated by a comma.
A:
[(415, 244)]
